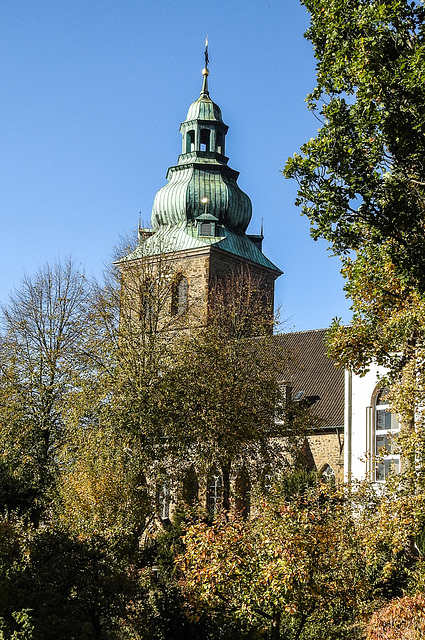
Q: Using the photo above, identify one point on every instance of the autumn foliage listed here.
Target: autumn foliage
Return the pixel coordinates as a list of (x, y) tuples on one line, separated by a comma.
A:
[(296, 564), (401, 619)]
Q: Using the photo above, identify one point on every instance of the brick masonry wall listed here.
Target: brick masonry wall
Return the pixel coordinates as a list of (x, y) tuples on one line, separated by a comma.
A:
[(202, 268), (325, 449), (193, 266)]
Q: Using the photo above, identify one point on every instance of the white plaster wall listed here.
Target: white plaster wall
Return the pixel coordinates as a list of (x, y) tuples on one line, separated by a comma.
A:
[(358, 397)]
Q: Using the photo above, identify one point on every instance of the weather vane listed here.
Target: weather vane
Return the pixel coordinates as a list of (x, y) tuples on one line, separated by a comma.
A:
[(206, 53)]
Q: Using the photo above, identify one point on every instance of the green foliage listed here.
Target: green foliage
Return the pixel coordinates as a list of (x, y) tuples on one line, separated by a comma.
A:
[(23, 621), (54, 585), (44, 327), (102, 488), (362, 178), (387, 315), (299, 482)]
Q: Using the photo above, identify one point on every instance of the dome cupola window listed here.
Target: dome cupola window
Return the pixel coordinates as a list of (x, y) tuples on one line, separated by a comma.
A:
[(206, 222), (220, 143), (190, 141), (205, 140)]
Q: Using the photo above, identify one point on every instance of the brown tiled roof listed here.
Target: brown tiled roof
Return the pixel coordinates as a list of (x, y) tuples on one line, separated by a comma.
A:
[(314, 373)]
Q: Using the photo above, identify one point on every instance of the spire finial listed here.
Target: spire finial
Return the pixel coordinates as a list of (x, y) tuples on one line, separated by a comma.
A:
[(205, 72)]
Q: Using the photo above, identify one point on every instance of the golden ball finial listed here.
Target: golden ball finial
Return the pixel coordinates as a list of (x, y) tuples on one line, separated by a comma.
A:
[(205, 72)]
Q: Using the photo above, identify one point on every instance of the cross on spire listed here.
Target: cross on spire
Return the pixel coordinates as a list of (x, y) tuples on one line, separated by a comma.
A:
[(205, 72), (206, 53)]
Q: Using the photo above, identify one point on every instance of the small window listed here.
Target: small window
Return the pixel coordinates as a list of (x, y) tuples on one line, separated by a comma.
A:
[(190, 487), (206, 229), (179, 296), (387, 428), (190, 141), (215, 492), (205, 139)]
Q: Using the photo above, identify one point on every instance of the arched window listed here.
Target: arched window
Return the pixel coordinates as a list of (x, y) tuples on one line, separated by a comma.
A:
[(179, 296), (190, 141), (220, 142), (164, 498), (387, 458), (205, 139), (328, 474), (214, 491)]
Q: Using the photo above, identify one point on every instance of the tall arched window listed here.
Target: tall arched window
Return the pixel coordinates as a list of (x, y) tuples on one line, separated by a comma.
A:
[(179, 296), (190, 487), (164, 498), (147, 300), (243, 493), (387, 458), (214, 491)]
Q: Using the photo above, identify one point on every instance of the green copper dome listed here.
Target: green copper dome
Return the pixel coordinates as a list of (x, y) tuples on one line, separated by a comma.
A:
[(204, 109), (202, 203), (201, 182)]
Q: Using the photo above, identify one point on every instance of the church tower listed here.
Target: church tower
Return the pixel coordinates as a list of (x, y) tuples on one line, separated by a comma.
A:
[(200, 217)]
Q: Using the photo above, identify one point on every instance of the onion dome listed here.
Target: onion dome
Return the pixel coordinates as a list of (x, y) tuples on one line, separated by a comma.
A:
[(202, 183), (202, 204)]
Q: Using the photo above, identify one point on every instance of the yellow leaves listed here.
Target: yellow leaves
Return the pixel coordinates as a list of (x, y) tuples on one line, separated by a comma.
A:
[(401, 619), (100, 489)]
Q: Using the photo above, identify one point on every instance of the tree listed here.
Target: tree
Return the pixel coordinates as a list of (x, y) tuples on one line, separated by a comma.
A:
[(53, 584), (362, 185), (226, 408), (295, 567), (114, 443), (362, 178), (44, 327), (387, 315)]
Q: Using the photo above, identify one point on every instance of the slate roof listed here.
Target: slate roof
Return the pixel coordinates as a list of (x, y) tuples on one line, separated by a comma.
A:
[(314, 373)]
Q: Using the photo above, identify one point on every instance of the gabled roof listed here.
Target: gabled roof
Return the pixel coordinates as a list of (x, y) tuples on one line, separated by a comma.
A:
[(314, 373)]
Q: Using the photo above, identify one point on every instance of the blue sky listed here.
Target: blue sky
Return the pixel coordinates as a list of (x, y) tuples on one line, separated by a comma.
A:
[(93, 93)]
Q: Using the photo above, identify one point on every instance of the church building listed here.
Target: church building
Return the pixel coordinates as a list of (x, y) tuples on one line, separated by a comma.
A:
[(199, 229)]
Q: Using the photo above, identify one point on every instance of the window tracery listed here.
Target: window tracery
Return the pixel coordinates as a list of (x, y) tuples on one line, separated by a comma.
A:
[(387, 427)]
